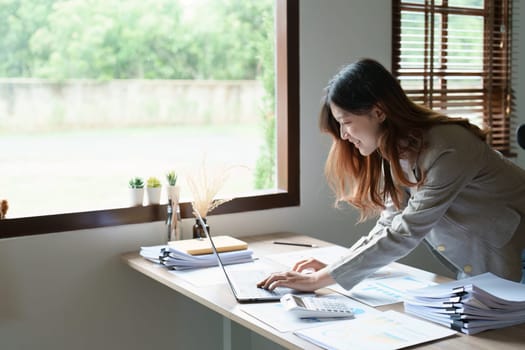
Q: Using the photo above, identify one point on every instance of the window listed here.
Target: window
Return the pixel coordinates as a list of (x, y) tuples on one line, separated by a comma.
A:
[(284, 190), (454, 56)]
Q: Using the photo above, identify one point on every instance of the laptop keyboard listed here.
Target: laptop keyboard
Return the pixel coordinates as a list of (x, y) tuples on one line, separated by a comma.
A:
[(258, 292)]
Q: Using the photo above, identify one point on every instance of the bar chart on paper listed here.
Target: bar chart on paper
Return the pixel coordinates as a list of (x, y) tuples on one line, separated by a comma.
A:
[(385, 290)]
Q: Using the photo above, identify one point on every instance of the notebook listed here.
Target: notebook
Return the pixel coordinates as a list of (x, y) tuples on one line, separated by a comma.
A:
[(243, 283), (199, 246)]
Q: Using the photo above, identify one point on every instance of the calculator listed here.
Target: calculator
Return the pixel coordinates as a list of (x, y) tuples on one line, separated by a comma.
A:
[(317, 306)]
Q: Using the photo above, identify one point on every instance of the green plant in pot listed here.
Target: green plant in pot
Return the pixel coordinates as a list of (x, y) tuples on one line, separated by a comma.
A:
[(136, 187), (172, 189), (171, 177), (153, 190)]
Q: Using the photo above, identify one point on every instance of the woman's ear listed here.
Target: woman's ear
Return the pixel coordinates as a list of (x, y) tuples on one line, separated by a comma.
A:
[(378, 113)]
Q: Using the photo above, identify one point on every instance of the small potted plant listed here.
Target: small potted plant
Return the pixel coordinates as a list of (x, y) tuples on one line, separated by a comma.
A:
[(172, 188), (136, 186), (153, 190)]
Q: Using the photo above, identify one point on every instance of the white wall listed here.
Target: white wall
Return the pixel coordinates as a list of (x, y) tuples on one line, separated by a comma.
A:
[(70, 290)]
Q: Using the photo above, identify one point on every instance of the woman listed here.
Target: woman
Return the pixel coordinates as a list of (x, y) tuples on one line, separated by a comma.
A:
[(431, 178)]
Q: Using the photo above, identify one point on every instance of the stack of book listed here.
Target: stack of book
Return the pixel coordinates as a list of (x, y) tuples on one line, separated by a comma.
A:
[(196, 253), (470, 305)]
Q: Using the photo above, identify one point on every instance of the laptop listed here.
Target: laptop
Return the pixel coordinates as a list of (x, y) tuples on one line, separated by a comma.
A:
[(243, 283)]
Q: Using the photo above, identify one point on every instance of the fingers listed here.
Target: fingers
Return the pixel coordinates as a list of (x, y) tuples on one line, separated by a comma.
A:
[(290, 279), (270, 282), (298, 266), (311, 263), (263, 282)]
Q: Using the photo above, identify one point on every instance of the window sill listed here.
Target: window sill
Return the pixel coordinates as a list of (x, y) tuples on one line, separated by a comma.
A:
[(37, 225)]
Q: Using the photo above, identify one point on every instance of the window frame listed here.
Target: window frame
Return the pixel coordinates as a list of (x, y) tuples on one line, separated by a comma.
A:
[(288, 192), (496, 93)]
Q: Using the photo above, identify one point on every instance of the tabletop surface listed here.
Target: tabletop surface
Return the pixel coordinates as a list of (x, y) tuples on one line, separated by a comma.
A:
[(219, 298)]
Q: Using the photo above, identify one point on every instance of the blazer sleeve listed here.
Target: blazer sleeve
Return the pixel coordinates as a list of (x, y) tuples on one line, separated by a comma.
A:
[(450, 162)]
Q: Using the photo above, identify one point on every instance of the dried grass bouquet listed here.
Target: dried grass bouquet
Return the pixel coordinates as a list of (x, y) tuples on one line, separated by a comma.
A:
[(204, 185)]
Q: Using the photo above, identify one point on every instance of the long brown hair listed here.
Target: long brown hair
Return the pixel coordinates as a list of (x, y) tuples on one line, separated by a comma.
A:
[(367, 181)]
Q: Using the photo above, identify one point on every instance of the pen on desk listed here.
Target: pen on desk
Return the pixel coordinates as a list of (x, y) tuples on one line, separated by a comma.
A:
[(296, 244)]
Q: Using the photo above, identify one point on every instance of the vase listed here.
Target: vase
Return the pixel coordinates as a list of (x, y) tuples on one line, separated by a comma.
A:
[(198, 231), (153, 195), (173, 193), (136, 196)]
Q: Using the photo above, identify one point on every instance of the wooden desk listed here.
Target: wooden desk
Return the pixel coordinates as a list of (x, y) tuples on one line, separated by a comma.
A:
[(220, 299)]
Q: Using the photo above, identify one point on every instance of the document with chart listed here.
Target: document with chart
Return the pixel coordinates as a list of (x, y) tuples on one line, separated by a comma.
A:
[(377, 291), (384, 331)]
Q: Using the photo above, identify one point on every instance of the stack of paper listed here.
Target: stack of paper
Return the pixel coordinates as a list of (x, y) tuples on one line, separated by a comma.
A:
[(178, 260), (471, 305)]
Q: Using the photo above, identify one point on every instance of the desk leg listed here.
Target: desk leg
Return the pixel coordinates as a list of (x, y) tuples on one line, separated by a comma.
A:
[(226, 334), (235, 336)]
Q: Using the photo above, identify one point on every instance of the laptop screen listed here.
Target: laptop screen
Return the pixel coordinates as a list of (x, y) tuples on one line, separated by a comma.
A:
[(244, 285), (214, 249)]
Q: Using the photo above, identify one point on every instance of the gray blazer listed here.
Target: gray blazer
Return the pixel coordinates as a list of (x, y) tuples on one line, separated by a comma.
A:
[(470, 210)]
